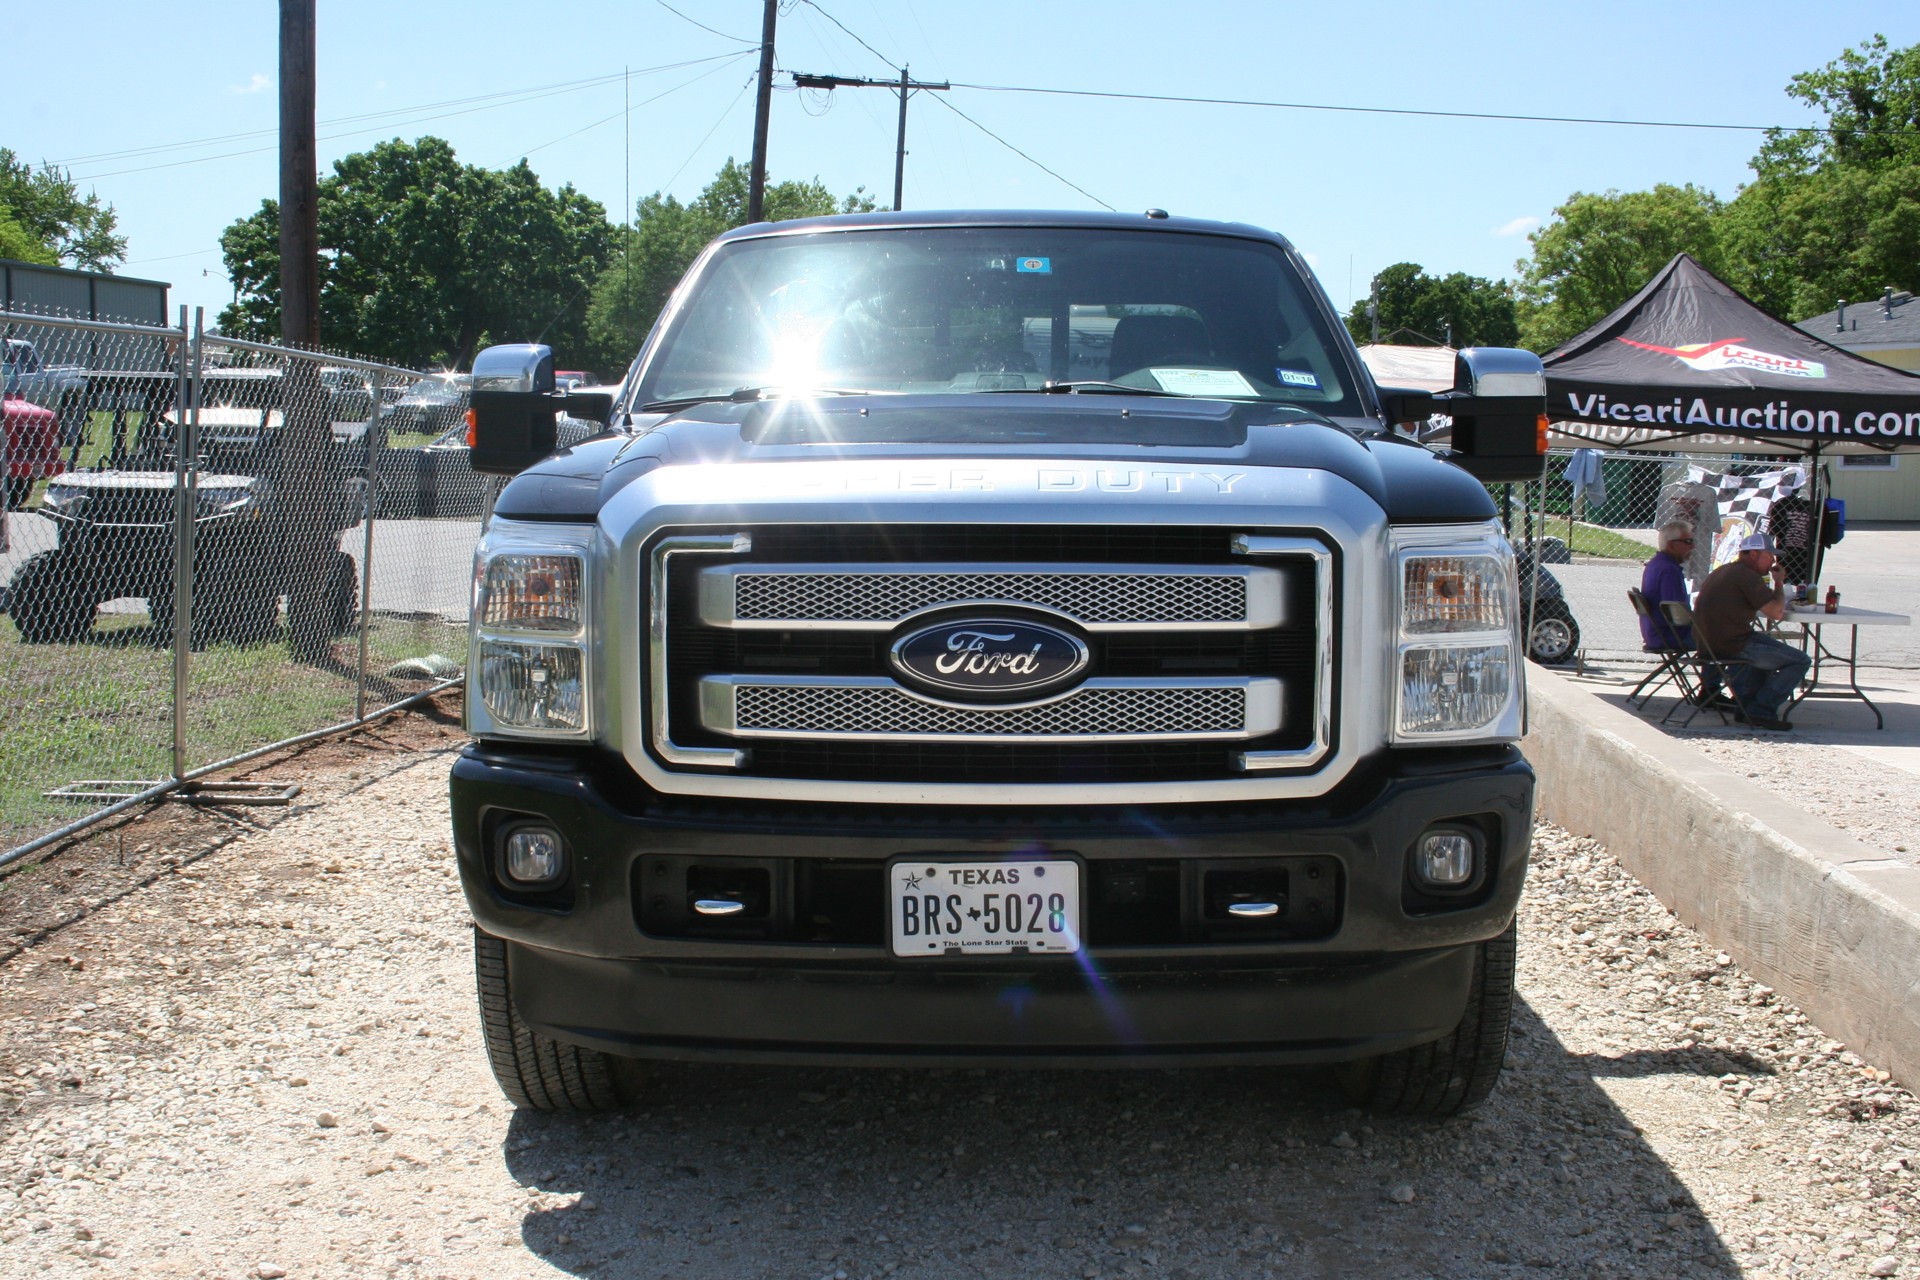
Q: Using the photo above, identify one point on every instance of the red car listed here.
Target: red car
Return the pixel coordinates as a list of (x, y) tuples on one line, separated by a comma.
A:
[(33, 447)]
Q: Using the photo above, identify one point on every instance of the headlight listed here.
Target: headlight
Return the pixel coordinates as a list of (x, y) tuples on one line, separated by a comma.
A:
[(532, 686), (63, 498), (532, 593), (221, 501), (1445, 595), (530, 668), (1457, 636)]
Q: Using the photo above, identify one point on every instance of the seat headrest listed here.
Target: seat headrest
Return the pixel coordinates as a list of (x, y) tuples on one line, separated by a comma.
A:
[(1140, 342)]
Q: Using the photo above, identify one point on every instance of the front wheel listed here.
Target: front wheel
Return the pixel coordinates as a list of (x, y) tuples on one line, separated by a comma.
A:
[(535, 1071), (1459, 1070), (1553, 637), (51, 601)]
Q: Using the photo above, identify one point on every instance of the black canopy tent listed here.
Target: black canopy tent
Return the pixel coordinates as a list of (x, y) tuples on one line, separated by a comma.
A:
[(1689, 363)]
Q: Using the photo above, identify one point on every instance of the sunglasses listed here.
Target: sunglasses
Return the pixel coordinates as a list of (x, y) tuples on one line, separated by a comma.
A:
[(1677, 541)]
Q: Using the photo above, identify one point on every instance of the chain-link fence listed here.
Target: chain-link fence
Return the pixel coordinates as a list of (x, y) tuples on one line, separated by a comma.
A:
[(212, 548), (1590, 523)]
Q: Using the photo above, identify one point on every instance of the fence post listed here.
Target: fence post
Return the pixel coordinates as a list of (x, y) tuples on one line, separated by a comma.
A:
[(374, 441), (186, 479)]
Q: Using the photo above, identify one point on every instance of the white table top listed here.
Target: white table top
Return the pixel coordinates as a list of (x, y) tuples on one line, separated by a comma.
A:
[(1847, 615)]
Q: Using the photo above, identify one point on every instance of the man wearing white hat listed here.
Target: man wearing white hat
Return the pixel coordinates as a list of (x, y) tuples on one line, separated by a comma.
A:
[(1751, 585)]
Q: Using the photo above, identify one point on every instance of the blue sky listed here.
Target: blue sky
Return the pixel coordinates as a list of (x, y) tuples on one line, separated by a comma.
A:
[(119, 88)]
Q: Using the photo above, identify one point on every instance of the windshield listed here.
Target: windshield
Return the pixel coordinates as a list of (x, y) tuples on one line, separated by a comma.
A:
[(984, 309), (441, 387)]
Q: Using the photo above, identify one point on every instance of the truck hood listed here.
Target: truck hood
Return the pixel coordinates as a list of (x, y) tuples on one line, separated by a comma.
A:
[(1405, 480)]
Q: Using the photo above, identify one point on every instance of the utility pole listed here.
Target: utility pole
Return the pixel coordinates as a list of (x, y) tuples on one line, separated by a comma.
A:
[(903, 86), (762, 109), (299, 179), (301, 476)]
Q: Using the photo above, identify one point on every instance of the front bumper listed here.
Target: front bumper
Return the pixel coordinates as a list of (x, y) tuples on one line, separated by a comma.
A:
[(1392, 971)]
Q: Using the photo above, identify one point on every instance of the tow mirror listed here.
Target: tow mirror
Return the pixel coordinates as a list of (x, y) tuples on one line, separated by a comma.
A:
[(511, 418), (1499, 410)]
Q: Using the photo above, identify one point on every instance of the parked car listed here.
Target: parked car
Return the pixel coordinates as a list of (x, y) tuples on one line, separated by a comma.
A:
[(33, 447), (47, 385), (1553, 634), (115, 527), (432, 406)]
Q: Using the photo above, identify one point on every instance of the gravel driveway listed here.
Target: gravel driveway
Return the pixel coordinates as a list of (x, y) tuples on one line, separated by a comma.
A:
[(265, 1062)]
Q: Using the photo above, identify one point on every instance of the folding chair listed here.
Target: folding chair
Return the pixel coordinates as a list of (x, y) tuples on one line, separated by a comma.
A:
[(1715, 671), (1671, 662)]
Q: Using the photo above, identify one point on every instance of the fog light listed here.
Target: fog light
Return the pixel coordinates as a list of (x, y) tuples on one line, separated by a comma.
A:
[(1446, 859), (535, 855)]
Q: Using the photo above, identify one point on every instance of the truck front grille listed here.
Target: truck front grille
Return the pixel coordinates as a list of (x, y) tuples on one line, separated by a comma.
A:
[(879, 710), (772, 653), (885, 595)]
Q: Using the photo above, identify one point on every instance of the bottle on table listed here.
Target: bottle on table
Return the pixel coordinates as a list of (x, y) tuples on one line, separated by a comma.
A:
[(1833, 600)]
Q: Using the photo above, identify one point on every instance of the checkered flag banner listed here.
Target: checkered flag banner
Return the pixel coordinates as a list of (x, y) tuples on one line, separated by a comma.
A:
[(1744, 502)]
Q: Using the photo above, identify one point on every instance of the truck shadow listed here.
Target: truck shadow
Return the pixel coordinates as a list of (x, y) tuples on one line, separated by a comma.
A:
[(744, 1171)]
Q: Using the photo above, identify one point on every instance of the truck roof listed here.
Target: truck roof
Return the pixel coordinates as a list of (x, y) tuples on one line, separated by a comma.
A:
[(1152, 220)]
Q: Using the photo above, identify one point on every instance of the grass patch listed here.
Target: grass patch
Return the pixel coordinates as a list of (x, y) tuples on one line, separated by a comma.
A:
[(103, 708), (1594, 540)]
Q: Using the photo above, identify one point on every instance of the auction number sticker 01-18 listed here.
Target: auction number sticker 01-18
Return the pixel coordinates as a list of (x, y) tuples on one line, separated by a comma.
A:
[(984, 908)]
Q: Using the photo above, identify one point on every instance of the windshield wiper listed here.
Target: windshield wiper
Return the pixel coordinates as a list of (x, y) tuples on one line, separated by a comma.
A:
[(1079, 388), (749, 395)]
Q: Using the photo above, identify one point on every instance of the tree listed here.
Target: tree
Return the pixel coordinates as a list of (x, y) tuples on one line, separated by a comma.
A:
[(1834, 212), (424, 259), (44, 218), (1600, 249), (666, 236), (1465, 310)]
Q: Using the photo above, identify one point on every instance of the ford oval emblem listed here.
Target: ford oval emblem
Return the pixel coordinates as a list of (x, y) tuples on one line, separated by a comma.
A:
[(989, 659)]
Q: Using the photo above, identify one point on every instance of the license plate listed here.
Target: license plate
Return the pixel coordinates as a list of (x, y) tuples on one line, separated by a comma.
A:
[(978, 908)]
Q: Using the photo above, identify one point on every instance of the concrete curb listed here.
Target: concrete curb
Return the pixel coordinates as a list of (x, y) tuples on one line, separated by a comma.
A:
[(1828, 922)]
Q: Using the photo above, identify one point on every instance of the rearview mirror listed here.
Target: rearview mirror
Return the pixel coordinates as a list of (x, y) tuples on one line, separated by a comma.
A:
[(1499, 410), (511, 422)]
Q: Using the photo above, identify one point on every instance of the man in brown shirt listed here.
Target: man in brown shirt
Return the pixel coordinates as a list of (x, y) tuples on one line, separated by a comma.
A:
[(1746, 587)]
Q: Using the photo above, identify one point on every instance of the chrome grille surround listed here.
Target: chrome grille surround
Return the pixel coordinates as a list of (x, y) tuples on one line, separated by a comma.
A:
[(877, 597), (875, 709), (1297, 519)]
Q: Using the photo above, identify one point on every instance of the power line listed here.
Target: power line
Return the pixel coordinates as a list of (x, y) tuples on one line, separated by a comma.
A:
[(740, 93), (856, 39), (511, 97), (625, 110), (1023, 155), (703, 26), (949, 106), (1393, 111)]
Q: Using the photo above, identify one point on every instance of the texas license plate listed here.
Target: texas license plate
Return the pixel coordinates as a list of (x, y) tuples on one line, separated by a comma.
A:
[(976, 908)]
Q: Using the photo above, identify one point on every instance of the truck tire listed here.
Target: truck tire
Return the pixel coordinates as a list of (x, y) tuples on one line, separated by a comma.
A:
[(19, 492), (1458, 1070), (535, 1071), (49, 602)]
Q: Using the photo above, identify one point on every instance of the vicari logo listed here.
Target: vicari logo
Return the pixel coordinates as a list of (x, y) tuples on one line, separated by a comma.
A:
[(1727, 353)]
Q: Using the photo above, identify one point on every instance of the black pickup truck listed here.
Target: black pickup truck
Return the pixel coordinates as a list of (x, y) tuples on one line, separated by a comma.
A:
[(997, 638)]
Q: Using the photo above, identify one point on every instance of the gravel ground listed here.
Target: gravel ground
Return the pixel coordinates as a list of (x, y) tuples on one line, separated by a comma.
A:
[(265, 1062)]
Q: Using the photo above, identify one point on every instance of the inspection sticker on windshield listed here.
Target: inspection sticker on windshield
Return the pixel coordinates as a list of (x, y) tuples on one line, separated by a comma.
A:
[(1297, 378), (1039, 266), (943, 908), (1202, 382)]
